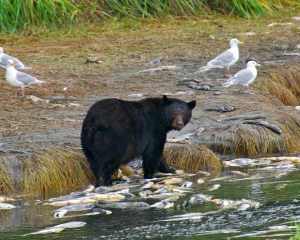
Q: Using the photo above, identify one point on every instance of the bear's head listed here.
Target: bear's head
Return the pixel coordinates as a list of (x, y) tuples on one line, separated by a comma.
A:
[(177, 112)]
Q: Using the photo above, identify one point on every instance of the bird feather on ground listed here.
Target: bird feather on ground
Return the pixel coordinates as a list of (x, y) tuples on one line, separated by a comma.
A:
[(4, 57), (244, 77), (226, 59), (19, 79)]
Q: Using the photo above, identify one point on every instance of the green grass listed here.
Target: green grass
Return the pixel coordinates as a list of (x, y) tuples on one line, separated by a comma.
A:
[(16, 15)]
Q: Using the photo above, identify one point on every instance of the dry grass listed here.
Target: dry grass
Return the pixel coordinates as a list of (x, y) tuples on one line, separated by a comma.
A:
[(260, 141), (245, 142), (191, 157), (6, 183), (55, 169), (283, 84)]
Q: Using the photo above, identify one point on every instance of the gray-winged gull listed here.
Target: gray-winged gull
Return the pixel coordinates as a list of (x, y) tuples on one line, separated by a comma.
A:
[(19, 79), (243, 77), (4, 57), (226, 59)]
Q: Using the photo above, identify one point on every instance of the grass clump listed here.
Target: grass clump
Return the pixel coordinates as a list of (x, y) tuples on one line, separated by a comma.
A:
[(245, 142), (191, 157), (55, 170), (257, 141), (6, 183), (283, 84)]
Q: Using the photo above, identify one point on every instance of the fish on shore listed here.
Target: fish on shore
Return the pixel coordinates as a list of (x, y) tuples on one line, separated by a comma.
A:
[(221, 109), (272, 127)]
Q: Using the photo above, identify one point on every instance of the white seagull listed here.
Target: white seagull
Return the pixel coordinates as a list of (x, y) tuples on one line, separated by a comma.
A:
[(19, 79), (226, 59), (4, 57), (243, 77)]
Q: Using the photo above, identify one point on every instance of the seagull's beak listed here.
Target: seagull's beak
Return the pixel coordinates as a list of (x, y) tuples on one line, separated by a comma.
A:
[(13, 64), (242, 43), (257, 64)]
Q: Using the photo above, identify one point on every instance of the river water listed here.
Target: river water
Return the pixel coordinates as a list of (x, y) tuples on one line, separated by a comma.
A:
[(278, 198)]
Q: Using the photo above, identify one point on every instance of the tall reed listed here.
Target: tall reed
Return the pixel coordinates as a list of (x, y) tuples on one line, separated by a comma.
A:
[(21, 15), (15, 14)]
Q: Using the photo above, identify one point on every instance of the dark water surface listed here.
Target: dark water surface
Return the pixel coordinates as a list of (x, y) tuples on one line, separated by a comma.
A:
[(277, 206)]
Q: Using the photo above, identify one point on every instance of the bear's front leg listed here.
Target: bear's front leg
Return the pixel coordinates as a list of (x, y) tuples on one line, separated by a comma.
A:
[(151, 159), (163, 166)]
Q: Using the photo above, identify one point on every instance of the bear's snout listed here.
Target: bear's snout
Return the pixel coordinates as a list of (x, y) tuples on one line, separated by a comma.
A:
[(178, 123)]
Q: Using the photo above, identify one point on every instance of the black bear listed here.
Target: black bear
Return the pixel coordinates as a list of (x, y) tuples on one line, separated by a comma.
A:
[(115, 131)]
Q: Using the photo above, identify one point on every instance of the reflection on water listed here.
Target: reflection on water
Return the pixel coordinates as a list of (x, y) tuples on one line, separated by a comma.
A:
[(278, 198)]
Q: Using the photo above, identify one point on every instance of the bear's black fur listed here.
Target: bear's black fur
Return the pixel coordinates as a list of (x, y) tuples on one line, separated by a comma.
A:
[(114, 132)]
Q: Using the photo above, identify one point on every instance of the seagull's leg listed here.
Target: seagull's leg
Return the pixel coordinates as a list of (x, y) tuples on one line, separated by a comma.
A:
[(23, 92), (227, 73), (249, 92), (16, 94)]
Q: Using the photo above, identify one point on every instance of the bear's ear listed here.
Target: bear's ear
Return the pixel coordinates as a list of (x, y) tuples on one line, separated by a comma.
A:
[(192, 104), (166, 100)]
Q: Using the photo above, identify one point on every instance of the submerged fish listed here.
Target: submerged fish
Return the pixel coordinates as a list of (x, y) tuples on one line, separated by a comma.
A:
[(67, 197), (240, 205), (281, 186), (240, 173), (95, 212), (78, 207), (164, 195), (124, 205), (145, 194), (107, 196), (164, 189), (172, 181), (214, 187), (163, 204), (199, 198), (104, 189), (6, 206), (238, 162), (151, 185), (46, 231), (200, 181), (206, 174), (186, 184), (89, 188), (72, 202), (58, 228), (220, 178)]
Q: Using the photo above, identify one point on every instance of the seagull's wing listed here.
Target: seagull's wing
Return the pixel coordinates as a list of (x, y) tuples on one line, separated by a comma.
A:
[(24, 78), (3, 59), (222, 60), (243, 77)]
